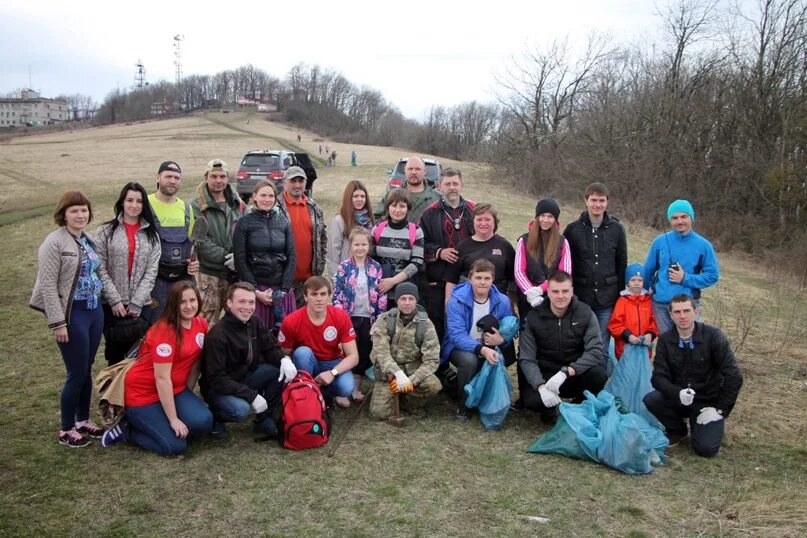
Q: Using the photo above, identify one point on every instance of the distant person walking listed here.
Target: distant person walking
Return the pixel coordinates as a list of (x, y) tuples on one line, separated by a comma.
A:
[(679, 262), (333, 157), (320, 149), (68, 292), (129, 250), (353, 158)]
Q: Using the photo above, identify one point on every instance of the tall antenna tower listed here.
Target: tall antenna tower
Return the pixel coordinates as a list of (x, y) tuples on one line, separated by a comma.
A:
[(140, 75), (178, 57)]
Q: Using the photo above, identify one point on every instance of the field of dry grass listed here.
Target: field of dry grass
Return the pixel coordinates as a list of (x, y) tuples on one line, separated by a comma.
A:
[(434, 477)]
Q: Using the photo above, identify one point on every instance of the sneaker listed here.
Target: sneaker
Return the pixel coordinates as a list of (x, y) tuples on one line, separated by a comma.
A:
[(72, 438), (550, 416), (357, 396), (517, 405), (219, 431), (266, 427), (90, 429), (463, 414), (341, 401), (115, 434)]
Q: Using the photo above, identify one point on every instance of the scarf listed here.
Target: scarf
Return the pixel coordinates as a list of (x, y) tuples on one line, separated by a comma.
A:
[(363, 218)]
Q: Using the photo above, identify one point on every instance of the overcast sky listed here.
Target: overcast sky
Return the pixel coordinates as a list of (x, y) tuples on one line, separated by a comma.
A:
[(426, 53)]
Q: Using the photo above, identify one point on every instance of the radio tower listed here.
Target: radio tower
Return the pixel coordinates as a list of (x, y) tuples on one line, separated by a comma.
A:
[(178, 57), (140, 75)]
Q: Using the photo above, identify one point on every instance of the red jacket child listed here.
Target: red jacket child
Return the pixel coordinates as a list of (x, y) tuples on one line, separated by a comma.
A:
[(632, 321)]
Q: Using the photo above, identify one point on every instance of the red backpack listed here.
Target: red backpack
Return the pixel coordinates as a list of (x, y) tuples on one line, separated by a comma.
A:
[(304, 422)]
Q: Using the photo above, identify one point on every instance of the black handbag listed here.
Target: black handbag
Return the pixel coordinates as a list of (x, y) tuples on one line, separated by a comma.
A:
[(127, 329)]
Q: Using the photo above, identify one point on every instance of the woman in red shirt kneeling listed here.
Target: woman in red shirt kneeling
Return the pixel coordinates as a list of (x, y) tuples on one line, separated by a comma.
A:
[(161, 408)]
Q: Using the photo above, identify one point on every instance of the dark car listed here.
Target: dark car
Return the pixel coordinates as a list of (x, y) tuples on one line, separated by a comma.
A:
[(272, 165), (397, 176)]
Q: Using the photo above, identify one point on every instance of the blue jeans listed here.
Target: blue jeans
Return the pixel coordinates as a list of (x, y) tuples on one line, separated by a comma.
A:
[(603, 314), (304, 359), (78, 353), (229, 408), (149, 426), (661, 311)]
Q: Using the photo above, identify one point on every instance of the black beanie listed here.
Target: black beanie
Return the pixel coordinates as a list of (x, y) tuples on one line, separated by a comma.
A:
[(406, 288), (548, 205)]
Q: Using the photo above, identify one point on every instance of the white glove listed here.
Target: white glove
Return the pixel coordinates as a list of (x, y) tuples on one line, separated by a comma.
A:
[(549, 398), (402, 380), (707, 415), (535, 296), (687, 396), (259, 404), (229, 263), (287, 370), (555, 382)]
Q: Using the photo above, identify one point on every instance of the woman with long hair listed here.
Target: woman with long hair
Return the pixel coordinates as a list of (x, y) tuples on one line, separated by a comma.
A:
[(129, 248), (161, 409), (68, 291), (538, 253), (355, 211), (263, 250), (398, 242)]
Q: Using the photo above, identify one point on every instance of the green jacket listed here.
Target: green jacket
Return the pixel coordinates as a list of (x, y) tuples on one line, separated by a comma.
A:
[(402, 353), (420, 201), (220, 226)]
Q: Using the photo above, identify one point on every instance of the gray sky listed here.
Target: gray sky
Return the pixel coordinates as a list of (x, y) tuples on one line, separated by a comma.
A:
[(427, 53)]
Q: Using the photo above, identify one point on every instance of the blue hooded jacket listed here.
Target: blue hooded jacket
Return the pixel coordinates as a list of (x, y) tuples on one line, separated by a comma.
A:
[(459, 316)]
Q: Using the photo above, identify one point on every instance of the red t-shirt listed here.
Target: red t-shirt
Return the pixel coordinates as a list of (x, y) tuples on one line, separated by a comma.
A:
[(298, 330), (131, 230), (159, 345)]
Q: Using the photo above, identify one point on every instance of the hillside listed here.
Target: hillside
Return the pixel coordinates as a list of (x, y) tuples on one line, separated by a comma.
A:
[(465, 482)]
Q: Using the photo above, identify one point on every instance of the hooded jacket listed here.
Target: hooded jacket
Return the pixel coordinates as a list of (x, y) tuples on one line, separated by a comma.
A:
[(632, 316), (459, 316), (232, 350), (220, 226), (263, 249), (599, 258), (549, 342)]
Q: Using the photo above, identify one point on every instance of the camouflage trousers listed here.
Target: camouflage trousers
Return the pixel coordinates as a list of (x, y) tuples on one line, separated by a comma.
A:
[(381, 400), (213, 290)]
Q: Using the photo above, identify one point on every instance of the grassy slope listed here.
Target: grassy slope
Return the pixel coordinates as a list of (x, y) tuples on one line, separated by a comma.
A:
[(433, 477)]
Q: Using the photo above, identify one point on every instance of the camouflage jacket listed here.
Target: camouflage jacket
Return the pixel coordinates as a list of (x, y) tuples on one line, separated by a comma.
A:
[(402, 353)]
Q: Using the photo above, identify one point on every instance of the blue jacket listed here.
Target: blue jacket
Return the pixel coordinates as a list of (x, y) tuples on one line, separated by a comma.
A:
[(459, 315), (695, 255)]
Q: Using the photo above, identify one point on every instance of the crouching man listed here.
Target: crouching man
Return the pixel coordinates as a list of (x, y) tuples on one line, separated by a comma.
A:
[(561, 350), (696, 379), (406, 353), (242, 366)]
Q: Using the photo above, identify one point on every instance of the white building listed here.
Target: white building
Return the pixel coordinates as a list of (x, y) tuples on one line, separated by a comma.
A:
[(31, 110)]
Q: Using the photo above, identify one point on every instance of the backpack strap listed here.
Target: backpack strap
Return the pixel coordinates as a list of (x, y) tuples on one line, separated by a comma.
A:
[(187, 218), (379, 229), (412, 233), (421, 317)]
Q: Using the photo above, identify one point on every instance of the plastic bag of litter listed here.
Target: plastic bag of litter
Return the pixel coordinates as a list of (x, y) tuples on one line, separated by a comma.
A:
[(490, 391), (630, 382)]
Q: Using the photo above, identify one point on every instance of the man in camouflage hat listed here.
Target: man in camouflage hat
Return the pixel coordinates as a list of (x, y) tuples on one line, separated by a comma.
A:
[(406, 353)]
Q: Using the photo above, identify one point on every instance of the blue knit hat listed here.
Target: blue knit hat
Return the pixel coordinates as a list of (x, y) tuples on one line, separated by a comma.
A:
[(634, 269), (680, 206)]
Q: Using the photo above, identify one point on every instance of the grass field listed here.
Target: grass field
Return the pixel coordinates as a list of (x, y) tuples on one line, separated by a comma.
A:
[(434, 477)]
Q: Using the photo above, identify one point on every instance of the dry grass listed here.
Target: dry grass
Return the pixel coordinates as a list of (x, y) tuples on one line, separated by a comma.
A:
[(434, 477)]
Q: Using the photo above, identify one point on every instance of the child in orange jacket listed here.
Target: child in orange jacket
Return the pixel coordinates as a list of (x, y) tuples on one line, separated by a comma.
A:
[(632, 320)]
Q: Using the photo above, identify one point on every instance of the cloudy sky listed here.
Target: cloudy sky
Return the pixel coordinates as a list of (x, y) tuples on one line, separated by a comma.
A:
[(417, 53)]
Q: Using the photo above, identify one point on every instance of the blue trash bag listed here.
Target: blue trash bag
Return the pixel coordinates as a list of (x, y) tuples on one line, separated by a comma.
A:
[(611, 362), (630, 382), (595, 430), (508, 327), (490, 391)]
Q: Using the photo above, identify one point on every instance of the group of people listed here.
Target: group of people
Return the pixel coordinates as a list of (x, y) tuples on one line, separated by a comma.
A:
[(416, 294)]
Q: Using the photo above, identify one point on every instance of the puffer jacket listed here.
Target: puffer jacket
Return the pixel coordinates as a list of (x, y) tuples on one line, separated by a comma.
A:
[(320, 235), (263, 249), (132, 290), (549, 343), (459, 316), (59, 262), (220, 226), (709, 368), (599, 259), (632, 316)]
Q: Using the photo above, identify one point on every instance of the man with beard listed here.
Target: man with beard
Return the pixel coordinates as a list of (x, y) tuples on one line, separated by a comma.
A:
[(422, 195), (174, 220)]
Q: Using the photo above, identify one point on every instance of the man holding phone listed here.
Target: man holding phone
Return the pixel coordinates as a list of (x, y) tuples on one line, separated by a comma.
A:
[(679, 261)]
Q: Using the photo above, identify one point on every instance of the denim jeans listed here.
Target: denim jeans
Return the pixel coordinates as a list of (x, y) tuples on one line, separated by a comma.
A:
[(304, 359), (229, 408), (603, 314), (78, 353), (149, 426)]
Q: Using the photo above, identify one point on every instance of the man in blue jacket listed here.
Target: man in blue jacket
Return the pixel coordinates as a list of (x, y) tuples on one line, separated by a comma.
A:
[(679, 262), (465, 345)]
